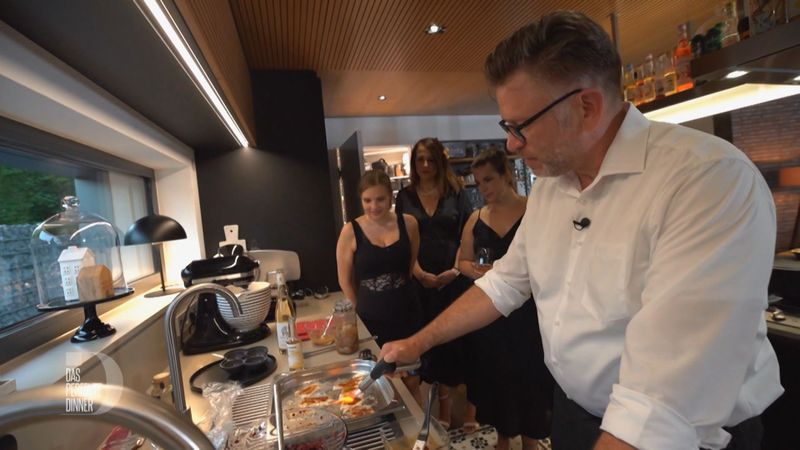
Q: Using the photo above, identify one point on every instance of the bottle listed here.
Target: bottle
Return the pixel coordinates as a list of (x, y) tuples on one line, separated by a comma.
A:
[(638, 98), (294, 348), (628, 83), (668, 78), (682, 59), (344, 316), (730, 24), (284, 311), (648, 80), (160, 387)]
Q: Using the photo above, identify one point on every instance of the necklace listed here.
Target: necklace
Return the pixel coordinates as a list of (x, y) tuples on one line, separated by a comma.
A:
[(428, 192)]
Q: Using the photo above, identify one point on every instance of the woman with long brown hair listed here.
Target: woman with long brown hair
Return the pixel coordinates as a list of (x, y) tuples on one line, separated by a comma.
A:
[(435, 198)]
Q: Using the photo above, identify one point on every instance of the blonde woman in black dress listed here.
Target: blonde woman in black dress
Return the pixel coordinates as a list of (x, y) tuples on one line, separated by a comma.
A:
[(511, 388), (375, 256)]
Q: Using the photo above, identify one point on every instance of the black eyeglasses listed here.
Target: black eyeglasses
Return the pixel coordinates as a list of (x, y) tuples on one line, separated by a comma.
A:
[(516, 130)]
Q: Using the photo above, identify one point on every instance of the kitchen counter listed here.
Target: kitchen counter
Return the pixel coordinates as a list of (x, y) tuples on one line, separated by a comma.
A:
[(410, 419)]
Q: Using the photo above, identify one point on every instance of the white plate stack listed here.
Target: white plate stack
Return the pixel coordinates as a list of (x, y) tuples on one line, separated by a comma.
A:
[(255, 300)]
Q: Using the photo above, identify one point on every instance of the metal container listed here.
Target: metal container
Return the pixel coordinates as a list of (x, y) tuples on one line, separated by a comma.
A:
[(382, 395)]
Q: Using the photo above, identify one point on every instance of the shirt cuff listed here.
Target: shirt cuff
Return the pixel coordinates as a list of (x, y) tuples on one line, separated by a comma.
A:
[(646, 423), (502, 295)]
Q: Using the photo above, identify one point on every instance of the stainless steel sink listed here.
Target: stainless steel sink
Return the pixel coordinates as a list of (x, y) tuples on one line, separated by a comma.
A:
[(116, 405)]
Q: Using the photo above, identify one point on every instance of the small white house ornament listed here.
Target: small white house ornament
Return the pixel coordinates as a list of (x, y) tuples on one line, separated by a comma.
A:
[(72, 260)]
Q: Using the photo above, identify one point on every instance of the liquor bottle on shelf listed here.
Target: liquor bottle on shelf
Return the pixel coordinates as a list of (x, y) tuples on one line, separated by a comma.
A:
[(682, 59), (666, 74), (284, 312), (628, 83), (638, 79), (730, 32), (648, 80)]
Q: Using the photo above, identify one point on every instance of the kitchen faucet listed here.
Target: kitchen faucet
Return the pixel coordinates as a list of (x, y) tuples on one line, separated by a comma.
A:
[(115, 405), (173, 337)]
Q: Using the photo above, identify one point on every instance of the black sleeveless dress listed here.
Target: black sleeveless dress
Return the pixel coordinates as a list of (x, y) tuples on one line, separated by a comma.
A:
[(509, 384), (386, 301)]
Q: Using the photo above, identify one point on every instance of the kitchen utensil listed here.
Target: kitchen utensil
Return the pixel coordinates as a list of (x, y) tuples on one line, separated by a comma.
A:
[(214, 373), (332, 381), (422, 438), (333, 347), (205, 329), (255, 300), (381, 368)]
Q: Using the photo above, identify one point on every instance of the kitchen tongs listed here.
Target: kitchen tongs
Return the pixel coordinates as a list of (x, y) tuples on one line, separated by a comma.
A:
[(380, 369), (422, 438)]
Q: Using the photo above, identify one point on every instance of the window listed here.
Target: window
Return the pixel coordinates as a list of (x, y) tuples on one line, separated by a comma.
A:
[(36, 171)]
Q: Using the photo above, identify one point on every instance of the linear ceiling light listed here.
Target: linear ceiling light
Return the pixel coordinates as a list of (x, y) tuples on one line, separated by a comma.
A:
[(167, 26), (737, 97), (736, 74)]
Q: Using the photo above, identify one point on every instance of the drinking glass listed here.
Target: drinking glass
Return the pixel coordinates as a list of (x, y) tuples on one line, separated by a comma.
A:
[(484, 258)]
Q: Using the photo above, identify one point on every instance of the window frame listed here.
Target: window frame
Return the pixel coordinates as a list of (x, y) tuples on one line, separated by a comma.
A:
[(17, 139)]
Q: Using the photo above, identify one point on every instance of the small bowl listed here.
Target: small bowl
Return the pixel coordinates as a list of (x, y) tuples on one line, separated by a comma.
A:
[(321, 339), (232, 366), (257, 351), (238, 353), (255, 364)]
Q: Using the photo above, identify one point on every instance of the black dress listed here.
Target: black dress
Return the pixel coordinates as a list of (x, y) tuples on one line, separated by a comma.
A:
[(440, 238), (509, 384), (386, 300)]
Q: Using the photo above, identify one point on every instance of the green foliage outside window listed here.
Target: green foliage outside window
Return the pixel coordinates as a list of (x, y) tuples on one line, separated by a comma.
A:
[(31, 197)]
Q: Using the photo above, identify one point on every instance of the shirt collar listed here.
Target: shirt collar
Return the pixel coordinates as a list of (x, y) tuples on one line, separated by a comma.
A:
[(626, 154), (628, 150)]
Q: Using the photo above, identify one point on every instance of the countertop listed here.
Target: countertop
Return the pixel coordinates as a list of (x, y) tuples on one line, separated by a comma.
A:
[(410, 419)]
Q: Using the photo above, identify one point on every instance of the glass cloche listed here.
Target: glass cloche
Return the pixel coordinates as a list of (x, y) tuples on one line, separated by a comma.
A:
[(77, 262)]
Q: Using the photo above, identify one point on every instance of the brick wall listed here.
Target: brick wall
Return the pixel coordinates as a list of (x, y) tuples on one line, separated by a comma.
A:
[(18, 292), (770, 133)]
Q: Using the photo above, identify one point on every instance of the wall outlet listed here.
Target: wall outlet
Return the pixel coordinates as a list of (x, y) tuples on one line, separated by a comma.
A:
[(7, 386)]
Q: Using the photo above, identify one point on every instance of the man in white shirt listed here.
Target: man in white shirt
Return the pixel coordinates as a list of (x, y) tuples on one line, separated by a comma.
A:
[(647, 248)]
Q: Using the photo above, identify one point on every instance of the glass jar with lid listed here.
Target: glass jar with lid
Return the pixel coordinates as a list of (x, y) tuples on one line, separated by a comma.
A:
[(76, 257), (344, 316)]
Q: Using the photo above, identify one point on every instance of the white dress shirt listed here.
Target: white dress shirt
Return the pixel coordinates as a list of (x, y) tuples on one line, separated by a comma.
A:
[(652, 316)]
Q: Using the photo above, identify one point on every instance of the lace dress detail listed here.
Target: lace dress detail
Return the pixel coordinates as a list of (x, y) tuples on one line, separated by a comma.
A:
[(386, 300), (385, 282)]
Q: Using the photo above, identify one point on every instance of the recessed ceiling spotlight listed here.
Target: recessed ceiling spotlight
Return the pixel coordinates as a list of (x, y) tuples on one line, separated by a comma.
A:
[(434, 28), (382, 98)]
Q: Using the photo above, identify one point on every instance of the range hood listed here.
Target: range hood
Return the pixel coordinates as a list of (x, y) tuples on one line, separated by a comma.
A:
[(771, 65)]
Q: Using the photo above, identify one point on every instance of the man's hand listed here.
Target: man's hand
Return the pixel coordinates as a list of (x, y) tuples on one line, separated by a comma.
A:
[(402, 351), (607, 441)]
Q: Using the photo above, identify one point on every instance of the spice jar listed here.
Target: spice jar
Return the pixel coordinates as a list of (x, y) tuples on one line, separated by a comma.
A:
[(344, 316)]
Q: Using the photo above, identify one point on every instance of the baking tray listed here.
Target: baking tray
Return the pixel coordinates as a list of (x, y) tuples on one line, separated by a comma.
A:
[(382, 396)]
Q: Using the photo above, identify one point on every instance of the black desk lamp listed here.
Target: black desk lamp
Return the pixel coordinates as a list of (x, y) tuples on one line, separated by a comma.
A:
[(155, 229)]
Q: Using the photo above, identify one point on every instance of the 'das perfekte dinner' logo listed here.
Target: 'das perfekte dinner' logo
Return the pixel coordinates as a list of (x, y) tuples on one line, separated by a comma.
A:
[(88, 398)]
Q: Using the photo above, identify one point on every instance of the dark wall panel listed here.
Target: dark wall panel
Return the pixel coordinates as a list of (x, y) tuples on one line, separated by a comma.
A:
[(280, 193)]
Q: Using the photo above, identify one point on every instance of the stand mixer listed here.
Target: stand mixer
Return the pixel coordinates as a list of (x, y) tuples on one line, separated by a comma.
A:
[(205, 330)]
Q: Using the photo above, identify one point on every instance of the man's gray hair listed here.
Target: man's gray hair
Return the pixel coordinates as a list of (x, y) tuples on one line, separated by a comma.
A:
[(562, 46)]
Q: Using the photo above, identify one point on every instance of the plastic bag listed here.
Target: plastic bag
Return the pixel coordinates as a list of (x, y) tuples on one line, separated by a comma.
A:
[(218, 421), (122, 438)]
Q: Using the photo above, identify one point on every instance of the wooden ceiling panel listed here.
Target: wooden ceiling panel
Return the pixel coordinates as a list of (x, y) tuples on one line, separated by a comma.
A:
[(355, 43)]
